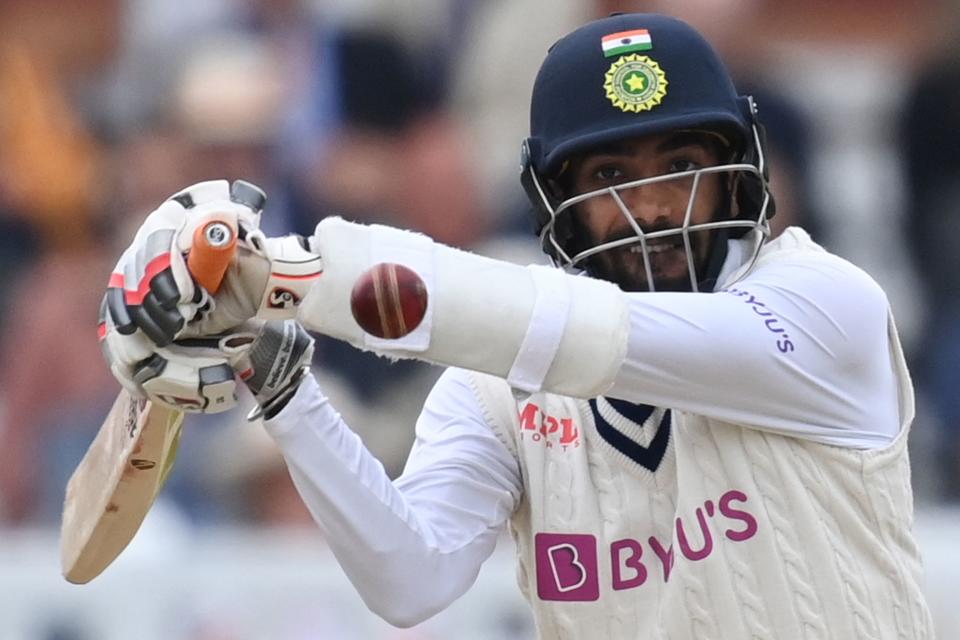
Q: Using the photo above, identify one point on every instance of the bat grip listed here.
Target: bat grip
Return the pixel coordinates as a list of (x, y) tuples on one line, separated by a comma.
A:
[(213, 246)]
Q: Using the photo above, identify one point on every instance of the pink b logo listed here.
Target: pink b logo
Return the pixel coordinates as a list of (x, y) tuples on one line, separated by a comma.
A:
[(567, 567)]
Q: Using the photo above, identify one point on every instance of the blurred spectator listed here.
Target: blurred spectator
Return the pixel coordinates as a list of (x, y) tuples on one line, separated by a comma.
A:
[(498, 59), (225, 109), (180, 96), (392, 153), (53, 173), (246, 476), (930, 139), (396, 156), (48, 164)]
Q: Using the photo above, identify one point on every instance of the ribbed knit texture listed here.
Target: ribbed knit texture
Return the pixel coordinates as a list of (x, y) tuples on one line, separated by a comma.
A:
[(773, 537)]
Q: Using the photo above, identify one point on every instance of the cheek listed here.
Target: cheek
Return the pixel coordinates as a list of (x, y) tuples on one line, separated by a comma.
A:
[(599, 216), (708, 200)]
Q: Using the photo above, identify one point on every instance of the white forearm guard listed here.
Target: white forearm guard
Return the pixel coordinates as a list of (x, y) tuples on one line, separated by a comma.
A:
[(537, 327)]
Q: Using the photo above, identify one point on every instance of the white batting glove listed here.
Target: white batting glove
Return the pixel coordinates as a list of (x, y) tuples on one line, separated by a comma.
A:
[(267, 280), (194, 375), (152, 298), (199, 375), (151, 290)]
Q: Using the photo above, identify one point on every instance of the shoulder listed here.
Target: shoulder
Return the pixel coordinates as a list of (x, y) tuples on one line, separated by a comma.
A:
[(464, 384), (454, 392), (835, 302), (457, 419), (794, 262), (490, 401), (461, 396)]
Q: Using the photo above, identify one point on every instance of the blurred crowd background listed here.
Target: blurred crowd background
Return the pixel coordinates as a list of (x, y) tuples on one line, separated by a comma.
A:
[(410, 113)]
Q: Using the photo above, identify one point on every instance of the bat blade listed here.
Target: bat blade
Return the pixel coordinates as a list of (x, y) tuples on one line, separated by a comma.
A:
[(115, 484), (123, 470)]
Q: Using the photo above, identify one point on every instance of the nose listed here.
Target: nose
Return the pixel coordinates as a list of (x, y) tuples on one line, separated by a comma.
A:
[(650, 205)]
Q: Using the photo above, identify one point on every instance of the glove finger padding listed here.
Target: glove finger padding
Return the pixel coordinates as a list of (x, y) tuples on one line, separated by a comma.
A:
[(151, 289), (175, 377), (195, 375), (198, 374)]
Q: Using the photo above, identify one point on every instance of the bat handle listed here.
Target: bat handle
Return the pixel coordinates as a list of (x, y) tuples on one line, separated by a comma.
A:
[(213, 245)]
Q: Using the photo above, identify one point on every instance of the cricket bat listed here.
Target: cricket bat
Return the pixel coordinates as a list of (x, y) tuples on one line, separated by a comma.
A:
[(131, 456)]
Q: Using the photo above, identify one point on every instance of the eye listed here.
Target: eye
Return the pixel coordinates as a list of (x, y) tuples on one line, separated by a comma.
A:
[(608, 173), (683, 164)]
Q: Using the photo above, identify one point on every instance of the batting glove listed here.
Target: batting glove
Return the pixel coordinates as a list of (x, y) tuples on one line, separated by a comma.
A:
[(152, 298), (194, 375), (199, 375), (275, 364)]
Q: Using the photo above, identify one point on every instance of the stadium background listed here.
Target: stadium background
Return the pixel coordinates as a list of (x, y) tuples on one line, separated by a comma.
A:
[(408, 112)]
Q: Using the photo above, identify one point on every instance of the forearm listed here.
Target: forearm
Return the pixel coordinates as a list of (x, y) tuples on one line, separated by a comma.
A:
[(780, 352), (383, 537), (536, 327)]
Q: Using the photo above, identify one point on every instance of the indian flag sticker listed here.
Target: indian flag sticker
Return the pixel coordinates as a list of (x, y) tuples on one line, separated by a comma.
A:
[(622, 42)]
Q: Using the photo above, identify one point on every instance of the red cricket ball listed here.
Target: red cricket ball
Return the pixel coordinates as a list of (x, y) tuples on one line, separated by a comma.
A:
[(389, 300)]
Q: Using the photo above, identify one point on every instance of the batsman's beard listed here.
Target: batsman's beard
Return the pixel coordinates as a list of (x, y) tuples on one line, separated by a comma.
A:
[(669, 267)]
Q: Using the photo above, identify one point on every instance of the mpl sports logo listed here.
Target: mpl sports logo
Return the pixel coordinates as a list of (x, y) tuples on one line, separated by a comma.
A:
[(551, 431), (567, 564)]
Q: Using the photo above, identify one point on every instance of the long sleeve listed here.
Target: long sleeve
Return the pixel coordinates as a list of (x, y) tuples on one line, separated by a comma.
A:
[(799, 347), (433, 527)]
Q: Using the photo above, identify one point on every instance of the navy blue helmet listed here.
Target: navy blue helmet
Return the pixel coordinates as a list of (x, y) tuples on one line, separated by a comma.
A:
[(633, 75)]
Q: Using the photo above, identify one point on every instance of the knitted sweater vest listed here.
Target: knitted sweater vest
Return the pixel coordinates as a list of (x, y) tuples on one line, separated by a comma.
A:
[(704, 530)]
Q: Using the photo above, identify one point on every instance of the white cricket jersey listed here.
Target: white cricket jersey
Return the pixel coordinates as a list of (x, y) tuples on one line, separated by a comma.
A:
[(746, 476)]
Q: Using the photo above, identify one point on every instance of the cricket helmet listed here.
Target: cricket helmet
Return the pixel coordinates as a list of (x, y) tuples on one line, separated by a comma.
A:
[(628, 76)]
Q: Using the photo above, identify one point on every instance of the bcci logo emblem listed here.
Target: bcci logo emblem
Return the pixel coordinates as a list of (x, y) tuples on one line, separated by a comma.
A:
[(635, 83)]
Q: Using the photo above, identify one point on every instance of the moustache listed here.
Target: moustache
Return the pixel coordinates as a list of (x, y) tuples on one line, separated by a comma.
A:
[(624, 235)]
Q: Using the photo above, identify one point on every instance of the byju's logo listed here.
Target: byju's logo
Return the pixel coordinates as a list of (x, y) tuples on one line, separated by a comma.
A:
[(567, 562), (567, 566)]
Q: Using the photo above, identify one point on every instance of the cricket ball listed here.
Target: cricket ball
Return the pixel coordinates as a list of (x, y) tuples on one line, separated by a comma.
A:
[(389, 300)]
